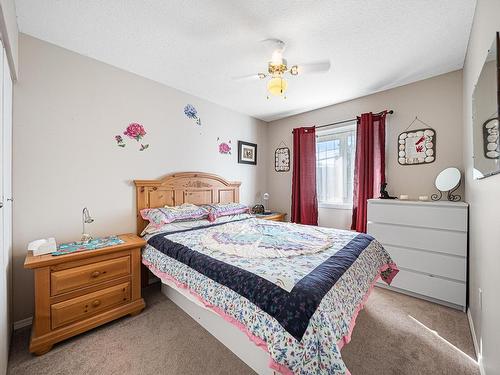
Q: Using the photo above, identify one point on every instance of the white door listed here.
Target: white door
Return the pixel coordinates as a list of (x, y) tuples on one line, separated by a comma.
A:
[(7, 161), (6, 210)]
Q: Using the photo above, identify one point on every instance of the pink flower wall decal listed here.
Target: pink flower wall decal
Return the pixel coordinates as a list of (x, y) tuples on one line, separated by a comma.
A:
[(135, 131), (224, 148)]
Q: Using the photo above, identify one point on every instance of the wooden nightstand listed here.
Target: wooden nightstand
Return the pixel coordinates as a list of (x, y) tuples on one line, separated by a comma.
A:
[(275, 216), (80, 291)]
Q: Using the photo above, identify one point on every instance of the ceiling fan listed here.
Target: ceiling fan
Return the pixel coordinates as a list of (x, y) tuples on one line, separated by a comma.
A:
[(278, 68)]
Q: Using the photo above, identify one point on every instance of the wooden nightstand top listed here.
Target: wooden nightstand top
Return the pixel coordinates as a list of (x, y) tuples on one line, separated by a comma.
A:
[(275, 216), (131, 241)]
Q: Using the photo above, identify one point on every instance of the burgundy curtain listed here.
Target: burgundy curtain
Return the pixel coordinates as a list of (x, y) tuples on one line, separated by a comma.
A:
[(304, 199), (369, 167)]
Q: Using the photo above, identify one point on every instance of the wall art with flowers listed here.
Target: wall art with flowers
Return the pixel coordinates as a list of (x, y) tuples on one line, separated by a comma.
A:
[(133, 131), (224, 147), (191, 113)]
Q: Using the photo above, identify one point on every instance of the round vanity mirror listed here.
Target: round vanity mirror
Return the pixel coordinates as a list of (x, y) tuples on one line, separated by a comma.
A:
[(448, 180)]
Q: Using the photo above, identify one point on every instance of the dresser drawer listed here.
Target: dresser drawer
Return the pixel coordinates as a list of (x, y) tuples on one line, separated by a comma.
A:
[(89, 274), (436, 287), (437, 264), (79, 308), (419, 214), (443, 241)]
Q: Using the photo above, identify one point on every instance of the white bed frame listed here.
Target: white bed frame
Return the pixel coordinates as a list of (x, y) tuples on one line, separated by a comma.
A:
[(225, 332), (199, 188)]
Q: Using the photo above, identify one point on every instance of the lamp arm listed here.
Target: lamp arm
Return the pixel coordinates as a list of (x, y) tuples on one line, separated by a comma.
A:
[(83, 220)]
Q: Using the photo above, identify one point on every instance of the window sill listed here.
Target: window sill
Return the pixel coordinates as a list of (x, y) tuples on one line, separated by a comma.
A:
[(336, 206)]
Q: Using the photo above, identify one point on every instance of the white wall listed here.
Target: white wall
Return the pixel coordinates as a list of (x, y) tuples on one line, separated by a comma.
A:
[(436, 101), (67, 110), (484, 200)]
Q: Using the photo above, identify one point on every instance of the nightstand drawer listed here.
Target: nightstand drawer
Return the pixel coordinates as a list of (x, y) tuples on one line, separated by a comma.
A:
[(90, 274), (79, 308), (275, 216), (278, 218)]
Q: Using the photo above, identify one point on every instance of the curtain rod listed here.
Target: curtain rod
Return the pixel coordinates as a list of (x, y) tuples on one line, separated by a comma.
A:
[(350, 120)]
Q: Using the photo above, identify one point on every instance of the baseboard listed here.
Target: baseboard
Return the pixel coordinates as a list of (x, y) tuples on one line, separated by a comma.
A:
[(473, 333), (23, 323), (475, 342), (380, 284)]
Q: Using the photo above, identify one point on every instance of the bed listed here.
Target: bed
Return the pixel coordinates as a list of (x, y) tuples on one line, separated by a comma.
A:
[(283, 297)]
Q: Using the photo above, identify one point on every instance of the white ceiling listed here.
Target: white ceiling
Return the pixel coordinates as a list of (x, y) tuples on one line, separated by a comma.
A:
[(197, 46)]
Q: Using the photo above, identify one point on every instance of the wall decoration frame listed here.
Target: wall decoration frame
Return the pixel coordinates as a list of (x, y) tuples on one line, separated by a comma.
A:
[(417, 147), (282, 159)]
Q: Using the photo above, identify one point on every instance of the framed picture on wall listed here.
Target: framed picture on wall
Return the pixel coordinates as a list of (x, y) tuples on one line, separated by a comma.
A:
[(247, 153)]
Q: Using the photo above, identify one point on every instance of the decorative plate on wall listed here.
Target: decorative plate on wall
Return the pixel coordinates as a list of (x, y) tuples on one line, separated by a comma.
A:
[(417, 147), (282, 159)]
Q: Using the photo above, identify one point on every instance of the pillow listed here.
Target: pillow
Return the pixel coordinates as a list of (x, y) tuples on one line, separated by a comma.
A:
[(191, 224), (175, 226), (167, 215), (229, 218), (220, 209)]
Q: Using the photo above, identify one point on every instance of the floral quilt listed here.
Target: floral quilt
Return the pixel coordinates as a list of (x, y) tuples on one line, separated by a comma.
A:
[(301, 308), (265, 239)]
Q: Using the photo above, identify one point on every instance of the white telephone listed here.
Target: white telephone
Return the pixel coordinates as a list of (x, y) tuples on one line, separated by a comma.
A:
[(43, 246)]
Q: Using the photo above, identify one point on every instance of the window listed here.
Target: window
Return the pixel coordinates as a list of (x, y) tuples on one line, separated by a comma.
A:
[(335, 152)]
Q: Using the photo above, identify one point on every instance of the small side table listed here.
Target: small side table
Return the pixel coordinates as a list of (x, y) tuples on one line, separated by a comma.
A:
[(275, 216), (82, 290)]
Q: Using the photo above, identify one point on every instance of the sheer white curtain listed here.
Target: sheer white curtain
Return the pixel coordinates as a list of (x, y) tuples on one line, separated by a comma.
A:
[(335, 152)]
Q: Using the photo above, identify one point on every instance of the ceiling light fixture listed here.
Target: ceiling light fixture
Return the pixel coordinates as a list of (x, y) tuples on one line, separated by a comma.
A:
[(277, 68), (277, 86)]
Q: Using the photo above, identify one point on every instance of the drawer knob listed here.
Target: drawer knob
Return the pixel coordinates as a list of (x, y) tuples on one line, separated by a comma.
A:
[(95, 274), (96, 303)]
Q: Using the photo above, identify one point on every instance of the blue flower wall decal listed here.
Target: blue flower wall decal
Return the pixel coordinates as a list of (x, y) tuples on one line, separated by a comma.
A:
[(192, 113)]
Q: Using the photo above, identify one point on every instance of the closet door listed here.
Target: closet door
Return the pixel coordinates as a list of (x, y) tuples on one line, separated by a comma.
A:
[(6, 210), (4, 261), (7, 161)]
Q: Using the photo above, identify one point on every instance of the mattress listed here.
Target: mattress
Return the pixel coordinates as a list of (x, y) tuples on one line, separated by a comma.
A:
[(295, 290)]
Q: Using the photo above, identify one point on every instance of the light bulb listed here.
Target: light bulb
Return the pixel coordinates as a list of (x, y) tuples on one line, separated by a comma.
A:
[(277, 58)]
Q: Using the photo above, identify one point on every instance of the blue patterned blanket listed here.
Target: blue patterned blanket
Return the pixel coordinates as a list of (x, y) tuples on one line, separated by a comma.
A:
[(300, 305), (94, 244)]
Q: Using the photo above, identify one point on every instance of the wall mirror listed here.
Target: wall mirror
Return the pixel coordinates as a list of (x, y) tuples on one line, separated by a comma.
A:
[(485, 120)]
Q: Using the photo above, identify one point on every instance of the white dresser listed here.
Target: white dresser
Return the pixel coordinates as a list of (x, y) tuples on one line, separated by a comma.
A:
[(428, 242)]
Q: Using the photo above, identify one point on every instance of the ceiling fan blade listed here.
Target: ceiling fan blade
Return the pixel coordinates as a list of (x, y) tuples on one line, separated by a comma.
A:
[(314, 67), (250, 77)]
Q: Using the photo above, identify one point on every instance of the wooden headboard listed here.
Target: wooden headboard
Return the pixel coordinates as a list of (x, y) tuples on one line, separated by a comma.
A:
[(186, 187)]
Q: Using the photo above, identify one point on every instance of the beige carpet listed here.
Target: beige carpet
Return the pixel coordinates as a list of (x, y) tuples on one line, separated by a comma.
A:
[(395, 334)]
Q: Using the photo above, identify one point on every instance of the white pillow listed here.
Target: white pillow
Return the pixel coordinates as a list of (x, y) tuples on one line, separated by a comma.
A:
[(183, 225), (175, 226)]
